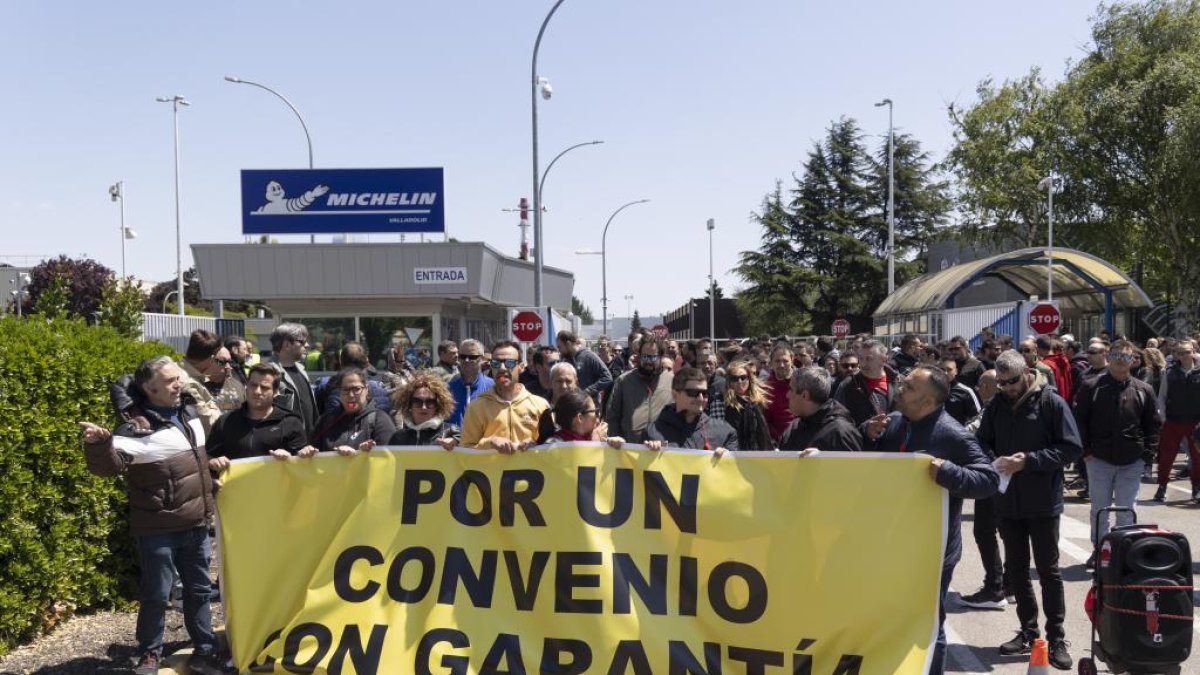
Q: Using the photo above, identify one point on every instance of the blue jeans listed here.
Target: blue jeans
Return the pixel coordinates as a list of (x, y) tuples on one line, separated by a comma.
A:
[(161, 555), (1112, 485)]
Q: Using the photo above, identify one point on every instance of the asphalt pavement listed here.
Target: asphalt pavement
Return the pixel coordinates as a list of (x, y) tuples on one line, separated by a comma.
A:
[(975, 634)]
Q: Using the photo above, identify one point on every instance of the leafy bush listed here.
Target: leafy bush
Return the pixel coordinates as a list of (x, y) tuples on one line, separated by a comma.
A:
[(63, 533)]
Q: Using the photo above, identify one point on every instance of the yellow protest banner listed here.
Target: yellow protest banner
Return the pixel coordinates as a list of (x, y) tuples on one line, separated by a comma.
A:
[(581, 559)]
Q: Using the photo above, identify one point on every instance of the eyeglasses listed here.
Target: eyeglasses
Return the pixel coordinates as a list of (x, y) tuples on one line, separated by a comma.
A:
[(224, 363), (1123, 357), (507, 364), (695, 393), (1012, 380), (740, 378), (591, 411), (849, 366), (423, 402), (470, 357), (648, 358), (353, 391)]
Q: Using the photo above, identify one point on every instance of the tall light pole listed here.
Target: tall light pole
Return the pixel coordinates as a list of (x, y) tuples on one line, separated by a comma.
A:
[(1047, 184), (176, 102), (117, 192), (312, 238), (604, 259), (891, 214), (712, 285), (544, 85)]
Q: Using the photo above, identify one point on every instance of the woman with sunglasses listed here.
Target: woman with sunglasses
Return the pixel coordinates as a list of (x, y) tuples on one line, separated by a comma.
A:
[(578, 420), (423, 406), (356, 424), (745, 399)]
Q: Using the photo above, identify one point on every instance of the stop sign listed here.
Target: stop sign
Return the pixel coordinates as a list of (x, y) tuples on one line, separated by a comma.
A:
[(841, 328), (660, 331), (1044, 319), (527, 326)]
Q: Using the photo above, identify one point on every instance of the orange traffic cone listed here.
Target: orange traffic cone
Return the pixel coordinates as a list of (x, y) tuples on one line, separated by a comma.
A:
[(1039, 658)]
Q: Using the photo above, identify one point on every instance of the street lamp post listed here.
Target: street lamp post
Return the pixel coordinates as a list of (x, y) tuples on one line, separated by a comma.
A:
[(538, 83), (176, 102), (712, 285), (1047, 184), (117, 192), (549, 166), (604, 259), (312, 238), (891, 214), (167, 298)]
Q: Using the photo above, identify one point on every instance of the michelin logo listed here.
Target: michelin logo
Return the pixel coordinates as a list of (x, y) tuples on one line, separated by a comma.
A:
[(278, 202)]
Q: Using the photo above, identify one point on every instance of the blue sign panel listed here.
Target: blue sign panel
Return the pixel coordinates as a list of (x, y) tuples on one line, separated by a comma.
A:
[(314, 201)]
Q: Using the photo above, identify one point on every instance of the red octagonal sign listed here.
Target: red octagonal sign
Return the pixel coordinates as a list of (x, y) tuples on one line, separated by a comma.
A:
[(1044, 319), (841, 328), (527, 326)]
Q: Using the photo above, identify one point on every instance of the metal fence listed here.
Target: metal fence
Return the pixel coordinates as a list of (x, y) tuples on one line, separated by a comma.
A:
[(175, 330)]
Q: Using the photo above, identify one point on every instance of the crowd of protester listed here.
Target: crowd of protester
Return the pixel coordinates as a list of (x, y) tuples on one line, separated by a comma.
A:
[(1027, 410)]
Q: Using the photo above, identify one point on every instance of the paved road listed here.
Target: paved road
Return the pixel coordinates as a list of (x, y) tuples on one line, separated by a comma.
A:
[(974, 634)]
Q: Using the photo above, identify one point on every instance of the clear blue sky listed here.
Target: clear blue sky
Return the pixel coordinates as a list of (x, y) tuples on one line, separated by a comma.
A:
[(702, 106)]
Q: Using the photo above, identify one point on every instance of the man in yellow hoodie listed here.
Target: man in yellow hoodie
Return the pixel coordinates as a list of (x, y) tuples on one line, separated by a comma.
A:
[(505, 417)]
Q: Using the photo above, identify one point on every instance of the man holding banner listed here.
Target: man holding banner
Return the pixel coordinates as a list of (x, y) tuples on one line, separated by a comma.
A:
[(921, 424), (505, 417)]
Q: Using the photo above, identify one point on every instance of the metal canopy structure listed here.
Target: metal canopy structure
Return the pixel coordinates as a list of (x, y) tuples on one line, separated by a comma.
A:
[(1083, 283)]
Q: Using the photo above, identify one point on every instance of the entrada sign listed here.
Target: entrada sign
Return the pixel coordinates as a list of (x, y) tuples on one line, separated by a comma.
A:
[(439, 275)]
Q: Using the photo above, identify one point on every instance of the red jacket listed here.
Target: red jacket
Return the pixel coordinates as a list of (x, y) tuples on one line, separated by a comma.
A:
[(1064, 379), (778, 415)]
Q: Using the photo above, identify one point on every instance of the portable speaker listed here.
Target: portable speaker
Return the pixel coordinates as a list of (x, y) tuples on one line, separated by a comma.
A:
[(1145, 594)]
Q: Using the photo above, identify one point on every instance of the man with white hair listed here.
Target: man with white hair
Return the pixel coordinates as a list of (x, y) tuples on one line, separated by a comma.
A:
[(170, 503), (562, 379)]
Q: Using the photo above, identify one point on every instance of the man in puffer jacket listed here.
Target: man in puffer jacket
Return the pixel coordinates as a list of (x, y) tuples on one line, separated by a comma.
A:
[(170, 503)]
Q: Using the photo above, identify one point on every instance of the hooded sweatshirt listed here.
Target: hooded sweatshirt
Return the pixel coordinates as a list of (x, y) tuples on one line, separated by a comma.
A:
[(351, 427), (489, 415), (237, 436), (1041, 425)]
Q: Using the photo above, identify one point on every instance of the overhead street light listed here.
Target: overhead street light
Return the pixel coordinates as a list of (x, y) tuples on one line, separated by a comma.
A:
[(312, 238), (177, 102), (712, 285), (604, 260)]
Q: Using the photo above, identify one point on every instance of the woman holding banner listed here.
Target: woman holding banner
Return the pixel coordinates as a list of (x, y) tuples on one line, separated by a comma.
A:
[(578, 420), (423, 405), (354, 425)]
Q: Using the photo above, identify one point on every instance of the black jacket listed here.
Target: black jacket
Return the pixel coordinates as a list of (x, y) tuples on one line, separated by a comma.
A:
[(967, 473), (592, 374), (853, 394), (1183, 394), (962, 405), (407, 435), (703, 434), (1118, 421), (338, 427), (903, 363), (1039, 424), (236, 436), (829, 429), (750, 426), (969, 371)]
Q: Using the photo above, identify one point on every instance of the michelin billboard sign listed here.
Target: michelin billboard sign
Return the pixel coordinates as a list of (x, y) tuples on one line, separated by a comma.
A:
[(315, 201)]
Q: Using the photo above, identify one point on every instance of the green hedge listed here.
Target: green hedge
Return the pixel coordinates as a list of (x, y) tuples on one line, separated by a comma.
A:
[(63, 532)]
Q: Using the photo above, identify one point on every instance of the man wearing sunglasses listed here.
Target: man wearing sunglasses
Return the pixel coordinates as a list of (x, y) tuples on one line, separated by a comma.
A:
[(684, 424), (1030, 430), (1028, 349), (470, 383), (1118, 422), (639, 395), (505, 417)]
